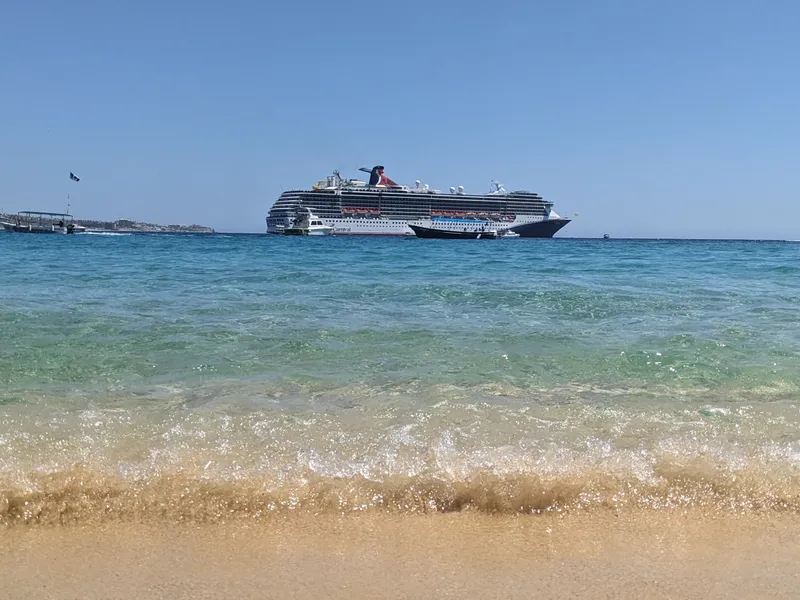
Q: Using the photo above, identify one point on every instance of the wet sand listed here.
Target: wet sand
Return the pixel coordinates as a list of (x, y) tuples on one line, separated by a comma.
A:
[(600, 554)]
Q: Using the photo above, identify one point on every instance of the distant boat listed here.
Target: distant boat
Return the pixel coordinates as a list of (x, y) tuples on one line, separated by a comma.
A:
[(307, 223), (509, 234), (31, 221), (451, 232), (605, 236)]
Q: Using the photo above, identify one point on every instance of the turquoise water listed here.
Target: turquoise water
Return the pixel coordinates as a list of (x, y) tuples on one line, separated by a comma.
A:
[(395, 372)]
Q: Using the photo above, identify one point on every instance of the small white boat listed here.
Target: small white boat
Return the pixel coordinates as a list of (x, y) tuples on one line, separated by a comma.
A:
[(307, 223), (509, 234)]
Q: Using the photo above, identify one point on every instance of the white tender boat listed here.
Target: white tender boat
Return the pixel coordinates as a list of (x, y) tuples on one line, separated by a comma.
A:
[(307, 223)]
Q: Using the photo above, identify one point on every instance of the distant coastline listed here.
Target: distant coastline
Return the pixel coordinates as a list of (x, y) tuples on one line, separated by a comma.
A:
[(130, 226)]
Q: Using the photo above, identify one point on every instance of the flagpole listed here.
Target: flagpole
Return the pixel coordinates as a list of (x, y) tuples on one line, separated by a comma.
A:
[(76, 180)]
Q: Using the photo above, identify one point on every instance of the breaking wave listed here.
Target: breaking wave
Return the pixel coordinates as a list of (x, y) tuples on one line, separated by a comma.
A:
[(188, 459), (80, 495)]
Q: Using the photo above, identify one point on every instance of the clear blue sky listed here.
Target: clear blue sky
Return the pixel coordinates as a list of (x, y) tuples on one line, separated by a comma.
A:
[(648, 118)]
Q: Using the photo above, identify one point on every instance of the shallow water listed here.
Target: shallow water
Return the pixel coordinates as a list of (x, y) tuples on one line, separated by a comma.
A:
[(204, 377)]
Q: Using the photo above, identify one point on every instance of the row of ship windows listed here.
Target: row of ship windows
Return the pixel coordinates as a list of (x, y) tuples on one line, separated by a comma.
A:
[(418, 205), (385, 215), (372, 224), (406, 216), (338, 220), (400, 216), (400, 202), (335, 211), (335, 214), (404, 202), (510, 207), (321, 195)]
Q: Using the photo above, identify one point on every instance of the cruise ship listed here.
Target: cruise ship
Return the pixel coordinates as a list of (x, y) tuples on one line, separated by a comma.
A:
[(382, 207)]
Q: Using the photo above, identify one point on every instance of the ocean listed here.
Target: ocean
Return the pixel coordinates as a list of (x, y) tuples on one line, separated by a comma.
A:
[(252, 416)]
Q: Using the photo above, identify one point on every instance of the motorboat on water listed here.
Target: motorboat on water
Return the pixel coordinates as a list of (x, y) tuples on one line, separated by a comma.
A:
[(452, 231), (31, 221), (307, 223)]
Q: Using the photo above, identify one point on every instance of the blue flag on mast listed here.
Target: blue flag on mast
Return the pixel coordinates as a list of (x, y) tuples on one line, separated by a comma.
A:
[(73, 177)]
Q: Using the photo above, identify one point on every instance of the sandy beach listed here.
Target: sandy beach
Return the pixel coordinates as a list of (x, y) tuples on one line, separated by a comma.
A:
[(600, 555)]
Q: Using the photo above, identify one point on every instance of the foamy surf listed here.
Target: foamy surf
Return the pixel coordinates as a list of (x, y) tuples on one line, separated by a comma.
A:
[(207, 463), (80, 496)]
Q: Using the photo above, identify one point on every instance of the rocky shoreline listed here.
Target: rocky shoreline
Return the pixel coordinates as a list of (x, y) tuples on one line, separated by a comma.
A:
[(129, 226)]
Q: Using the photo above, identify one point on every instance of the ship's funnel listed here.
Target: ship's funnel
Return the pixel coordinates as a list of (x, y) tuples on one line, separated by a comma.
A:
[(374, 175)]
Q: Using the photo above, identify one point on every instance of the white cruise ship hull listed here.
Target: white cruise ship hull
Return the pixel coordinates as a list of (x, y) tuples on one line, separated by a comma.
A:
[(533, 226)]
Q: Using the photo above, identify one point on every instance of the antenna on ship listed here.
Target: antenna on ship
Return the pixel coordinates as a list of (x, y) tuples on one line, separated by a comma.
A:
[(461, 189), (452, 190), (417, 182)]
